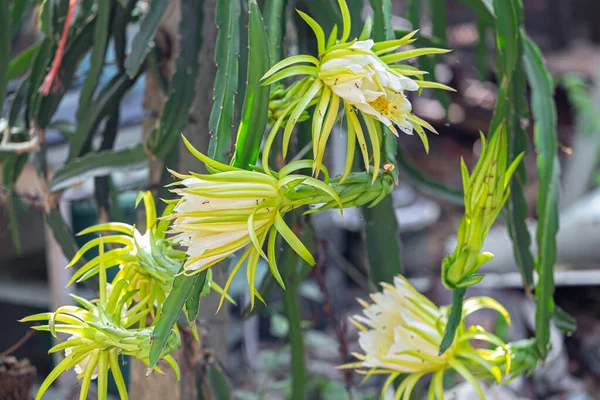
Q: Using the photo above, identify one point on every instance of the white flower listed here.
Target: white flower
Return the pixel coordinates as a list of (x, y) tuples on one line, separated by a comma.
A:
[(365, 82), (401, 332), (212, 217)]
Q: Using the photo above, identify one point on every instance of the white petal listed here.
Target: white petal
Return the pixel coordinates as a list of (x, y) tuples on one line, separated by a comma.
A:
[(363, 44)]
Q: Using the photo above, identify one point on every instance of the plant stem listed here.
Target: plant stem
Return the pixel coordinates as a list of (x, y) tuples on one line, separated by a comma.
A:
[(291, 310)]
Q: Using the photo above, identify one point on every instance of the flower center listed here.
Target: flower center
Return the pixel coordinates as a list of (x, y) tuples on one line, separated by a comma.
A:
[(393, 109)]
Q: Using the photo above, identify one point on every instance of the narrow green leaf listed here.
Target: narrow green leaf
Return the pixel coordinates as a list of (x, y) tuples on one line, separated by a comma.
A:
[(414, 13), (183, 88), (192, 303), (23, 61), (511, 109), (112, 93), (226, 81), (62, 234), (439, 19), (454, 318), (142, 40), (382, 20), (5, 48), (544, 112), (483, 9), (97, 164), (256, 100), (383, 242), (19, 8), (274, 14), (218, 383), (563, 320), (507, 33), (182, 287), (101, 36)]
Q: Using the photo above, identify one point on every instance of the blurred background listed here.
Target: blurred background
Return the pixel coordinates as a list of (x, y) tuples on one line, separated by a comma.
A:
[(256, 357)]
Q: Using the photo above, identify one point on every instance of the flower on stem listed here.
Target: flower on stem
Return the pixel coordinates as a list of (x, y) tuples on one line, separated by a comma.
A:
[(100, 331), (229, 209), (400, 334), (485, 193), (147, 262), (364, 78)]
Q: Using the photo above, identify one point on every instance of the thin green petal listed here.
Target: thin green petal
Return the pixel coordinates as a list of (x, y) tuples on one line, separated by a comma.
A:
[(302, 105), (87, 375), (332, 114), (406, 55), (290, 61), (374, 135), (434, 85), (207, 160), (347, 22), (292, 71), (319, 34), (464, 372), (111, 226), (367, 29), (273, 258), (293, 240), (332, 37)]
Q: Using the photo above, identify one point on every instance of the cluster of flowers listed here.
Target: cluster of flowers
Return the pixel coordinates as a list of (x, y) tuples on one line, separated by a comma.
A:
[(229, 210)]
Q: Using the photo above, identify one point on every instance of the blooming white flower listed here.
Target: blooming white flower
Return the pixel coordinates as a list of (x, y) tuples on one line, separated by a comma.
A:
[(401, 332), (368, 84), (362, 75), (220, 213)]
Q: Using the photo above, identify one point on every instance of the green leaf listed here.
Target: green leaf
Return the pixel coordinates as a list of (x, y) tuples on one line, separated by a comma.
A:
[(274, 14), (414, 13), (182, 287), (545, 136), (454, 318), (426, 184), (383, 242), (5, 48), (62, 234), (483, 9), (256, 100), (507, 33), (19, 8), (192, 303), (141, 44), (226, 81), (174, 117), (97, 164), (23, 61), (382, 20), (111, 94), (439, 19), (101, 36), (511, 108), (218, 383), (563, 320)]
